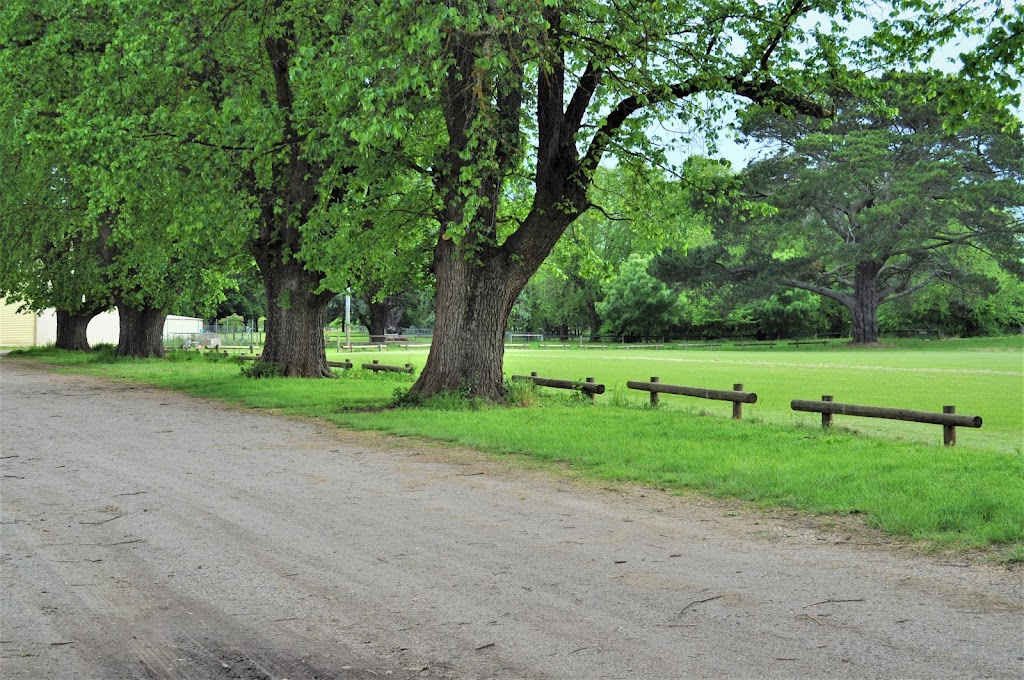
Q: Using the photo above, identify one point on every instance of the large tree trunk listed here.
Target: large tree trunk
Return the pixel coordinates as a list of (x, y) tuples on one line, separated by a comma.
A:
[(864, 307), (295, 320), (474, 302), (72, 330), (383, 317), (141, 333), (376, 320)]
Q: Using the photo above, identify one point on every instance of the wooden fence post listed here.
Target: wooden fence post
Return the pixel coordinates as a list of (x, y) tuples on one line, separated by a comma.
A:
[(654, 395), (737, 406), (826, 418), (949, 431)]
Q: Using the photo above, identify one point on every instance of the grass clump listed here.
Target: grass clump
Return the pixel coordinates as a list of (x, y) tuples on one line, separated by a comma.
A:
[(255, 370)]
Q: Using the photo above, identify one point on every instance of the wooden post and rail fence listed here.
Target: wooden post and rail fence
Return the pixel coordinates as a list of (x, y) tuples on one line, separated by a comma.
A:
[(588, 386), (375, 366), (949, 419), (736, 395)]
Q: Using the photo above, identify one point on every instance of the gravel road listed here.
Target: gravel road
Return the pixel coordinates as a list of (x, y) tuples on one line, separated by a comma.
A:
[(147, 534)]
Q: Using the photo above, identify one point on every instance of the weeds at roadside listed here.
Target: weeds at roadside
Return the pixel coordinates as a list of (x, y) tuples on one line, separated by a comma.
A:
[(1014, 557), (259, 369)]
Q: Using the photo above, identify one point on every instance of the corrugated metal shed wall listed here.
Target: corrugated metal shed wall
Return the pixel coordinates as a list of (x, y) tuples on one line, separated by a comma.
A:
[(16, 330)]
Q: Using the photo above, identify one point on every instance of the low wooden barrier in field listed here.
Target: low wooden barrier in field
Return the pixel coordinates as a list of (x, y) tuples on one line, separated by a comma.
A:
[(769, 345), (736, 395), (332, 364), (948, 418), (377, 366), (699, 345), (588, 387), (808, 342)]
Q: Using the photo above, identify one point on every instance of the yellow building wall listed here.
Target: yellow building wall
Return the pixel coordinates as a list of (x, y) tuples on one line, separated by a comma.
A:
[(16, 330)]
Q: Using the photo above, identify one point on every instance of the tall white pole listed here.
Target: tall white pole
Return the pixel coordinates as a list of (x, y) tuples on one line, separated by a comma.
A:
[(348, 322)]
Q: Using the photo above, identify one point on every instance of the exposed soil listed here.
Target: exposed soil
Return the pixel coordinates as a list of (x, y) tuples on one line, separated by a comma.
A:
[(148, 534)]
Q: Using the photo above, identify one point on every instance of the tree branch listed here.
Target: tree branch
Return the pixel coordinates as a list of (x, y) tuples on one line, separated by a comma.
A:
[(841, 298)]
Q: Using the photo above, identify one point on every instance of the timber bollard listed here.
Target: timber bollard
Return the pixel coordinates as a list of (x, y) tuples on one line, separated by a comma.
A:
[(588, 387), (377, 366), (737, 396), (949, 431), (949, 419), (826, 418)]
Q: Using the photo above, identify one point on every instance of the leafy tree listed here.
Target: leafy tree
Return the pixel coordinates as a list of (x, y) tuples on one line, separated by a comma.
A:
[(557, 301), (83, 106), (985, 300), (636, 305), (245, 298), (787, 314), (537, 95), (205, 123), (47, 258), (877, 207)]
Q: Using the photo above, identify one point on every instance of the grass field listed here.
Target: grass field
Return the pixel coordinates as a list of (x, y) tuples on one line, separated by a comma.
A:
[(896, 474)]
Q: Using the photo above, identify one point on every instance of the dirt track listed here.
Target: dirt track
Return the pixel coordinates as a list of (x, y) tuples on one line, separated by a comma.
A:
[(150, 535)]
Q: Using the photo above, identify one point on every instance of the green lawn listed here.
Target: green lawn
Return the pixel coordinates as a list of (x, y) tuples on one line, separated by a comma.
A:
[(977, 382), (896, 474)]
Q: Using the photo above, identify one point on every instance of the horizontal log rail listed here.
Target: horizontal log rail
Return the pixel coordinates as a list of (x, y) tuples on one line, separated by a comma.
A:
[(808, 342), (699, 345), (332, 364), (769, 345), (736, 395), (588, 386), (377, 366), (949, 418)]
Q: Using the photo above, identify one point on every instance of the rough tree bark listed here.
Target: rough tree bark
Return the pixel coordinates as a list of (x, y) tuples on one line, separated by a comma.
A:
[(295, 319), (71, 330), (141, 332), (479, 277), (382, 316), (295, 311), (473, 307), (865, 302)]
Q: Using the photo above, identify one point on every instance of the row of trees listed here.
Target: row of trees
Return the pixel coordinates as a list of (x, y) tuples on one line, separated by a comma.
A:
[(156, 150), (814, 236)]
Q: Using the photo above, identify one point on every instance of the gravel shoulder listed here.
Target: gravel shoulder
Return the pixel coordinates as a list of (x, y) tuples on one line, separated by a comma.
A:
[(146, 534)]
